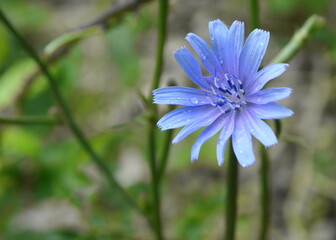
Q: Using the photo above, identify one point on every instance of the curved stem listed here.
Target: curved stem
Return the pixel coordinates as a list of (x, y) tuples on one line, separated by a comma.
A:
[(68, 116), (153, 161), (231, 196), (312, 24)]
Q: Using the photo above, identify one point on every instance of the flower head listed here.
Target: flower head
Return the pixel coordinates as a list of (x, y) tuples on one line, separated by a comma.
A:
[(230, 99)]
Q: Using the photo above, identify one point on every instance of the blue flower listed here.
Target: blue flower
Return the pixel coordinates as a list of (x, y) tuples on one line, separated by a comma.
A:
[(230, 99)]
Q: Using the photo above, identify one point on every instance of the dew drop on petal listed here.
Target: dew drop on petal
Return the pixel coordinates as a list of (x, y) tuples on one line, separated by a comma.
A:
[(189, 111), (194, 100)]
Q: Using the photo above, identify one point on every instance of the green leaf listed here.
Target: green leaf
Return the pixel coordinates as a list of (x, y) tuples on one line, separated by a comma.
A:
[(12, 81)]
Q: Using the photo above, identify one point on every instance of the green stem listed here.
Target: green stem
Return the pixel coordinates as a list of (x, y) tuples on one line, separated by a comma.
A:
[(161, 37), (264, 174), (165, 153), (265, 194), (29, 120), (231, 196), (68, 116), (312, 24), (254, 14)]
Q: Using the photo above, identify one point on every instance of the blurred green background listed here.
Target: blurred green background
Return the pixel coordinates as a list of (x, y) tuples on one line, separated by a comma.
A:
[(49, 188)]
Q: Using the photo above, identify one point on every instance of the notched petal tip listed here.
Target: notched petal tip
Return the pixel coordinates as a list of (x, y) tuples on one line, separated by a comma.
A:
[(179, 49), (190, 35), (270, 145), (245, 165)]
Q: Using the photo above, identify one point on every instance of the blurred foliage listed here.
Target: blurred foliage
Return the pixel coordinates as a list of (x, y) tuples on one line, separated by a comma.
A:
[(44, 163)]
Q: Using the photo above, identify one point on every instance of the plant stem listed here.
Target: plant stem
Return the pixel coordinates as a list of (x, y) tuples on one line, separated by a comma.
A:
[(68, 117), (231, 195), (313, 23), (161, 37), (254, 14), (29, 120), (165, 153), (264, 171), (265, 194)]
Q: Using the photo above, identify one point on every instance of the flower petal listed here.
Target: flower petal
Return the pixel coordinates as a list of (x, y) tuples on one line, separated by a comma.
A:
[(269, 110), (201, 122), (208, 57), (259, 129), (269, 95), (225, 134), (233, 47), (259, 79), (180, 96), (189, 64), (218, 34), (242, 143), (185, 115), (207, 133), (252, 54)]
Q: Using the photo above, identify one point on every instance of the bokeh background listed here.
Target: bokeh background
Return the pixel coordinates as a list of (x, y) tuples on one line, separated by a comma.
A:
[(50, 189)]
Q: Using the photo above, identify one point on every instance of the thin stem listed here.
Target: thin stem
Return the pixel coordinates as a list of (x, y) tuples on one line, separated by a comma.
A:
[(68, 116), (166, 148), (231, 196), (165, 153), (29, 120), (254, 14), (264, 171), (265, 195), (60, 46), (312, 24), (162, 32)]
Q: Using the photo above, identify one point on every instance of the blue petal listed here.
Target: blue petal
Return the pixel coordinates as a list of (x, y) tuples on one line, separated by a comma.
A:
[(259, 79), (218, 34), (269, 110), (252, 54), (206, 120), (242, 143), (208, 57), (225, 134), (189, 64), (181, 96), (233, 47), (269, 95), (259, 129), (185, 115), (207, 133)]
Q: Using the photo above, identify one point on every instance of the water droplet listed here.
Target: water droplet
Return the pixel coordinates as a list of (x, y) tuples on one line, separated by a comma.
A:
[(203, 56), (241, 151), (189, 111), (221, 61), (179, 120), (188, 120), (194, 100), (178, 97)]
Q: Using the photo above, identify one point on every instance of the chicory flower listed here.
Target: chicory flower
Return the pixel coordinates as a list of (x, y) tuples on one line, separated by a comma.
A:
[(230, 98)]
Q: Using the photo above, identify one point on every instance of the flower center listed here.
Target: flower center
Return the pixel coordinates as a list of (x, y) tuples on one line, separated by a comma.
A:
[(227, 93)]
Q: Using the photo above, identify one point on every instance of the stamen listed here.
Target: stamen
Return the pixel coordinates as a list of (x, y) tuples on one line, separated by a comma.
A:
[(227, 95)]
